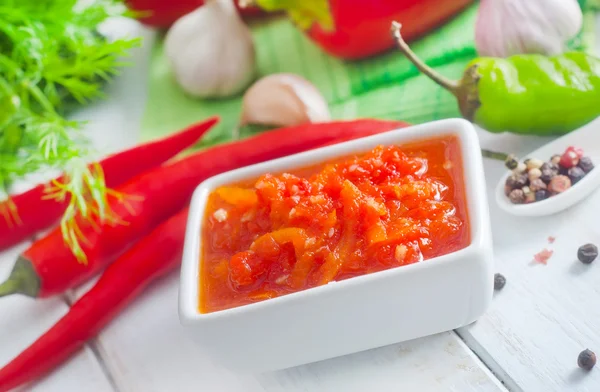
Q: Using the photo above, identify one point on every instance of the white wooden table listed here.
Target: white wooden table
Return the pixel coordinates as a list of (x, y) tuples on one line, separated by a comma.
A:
[(527, 341)]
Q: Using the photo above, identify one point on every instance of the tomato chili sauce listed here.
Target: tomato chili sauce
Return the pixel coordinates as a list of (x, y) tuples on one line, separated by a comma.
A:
[(283, 233)]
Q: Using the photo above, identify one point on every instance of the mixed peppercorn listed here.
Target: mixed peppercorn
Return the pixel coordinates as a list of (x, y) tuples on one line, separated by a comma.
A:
[(586, 359), (587, 253), (535, 180), (499, 281)]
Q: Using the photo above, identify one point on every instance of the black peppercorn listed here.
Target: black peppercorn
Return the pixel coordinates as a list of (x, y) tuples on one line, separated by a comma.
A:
[(586, 164), (549, 166), (511, 162), (576, 174), (562, 170), (511, 182), (548, 175), (542, 194), (586, 359), (499, 281), (545, 166), (517, 196), (587, 253), (515, 181)]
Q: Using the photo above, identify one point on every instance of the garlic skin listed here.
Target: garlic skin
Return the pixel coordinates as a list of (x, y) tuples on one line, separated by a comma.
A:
[(211, 51), (507, 27), (283, 100)]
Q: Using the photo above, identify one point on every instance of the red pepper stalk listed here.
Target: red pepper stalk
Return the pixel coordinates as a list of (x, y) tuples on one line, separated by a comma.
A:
[(35, 212), (355, 29), (151, 258), (49, 267)]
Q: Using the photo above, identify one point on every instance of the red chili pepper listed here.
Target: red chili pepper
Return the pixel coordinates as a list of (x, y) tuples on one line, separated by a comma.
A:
[(379, 127), (354, 29), (36, 213), (163, 13), (49, 267), (151, 258)]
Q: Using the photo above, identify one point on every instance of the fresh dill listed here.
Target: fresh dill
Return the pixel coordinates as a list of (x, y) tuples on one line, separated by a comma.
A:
[(51, 54)]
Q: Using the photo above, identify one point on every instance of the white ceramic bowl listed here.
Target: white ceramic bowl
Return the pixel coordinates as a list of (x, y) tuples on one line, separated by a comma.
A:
[(356, 314)]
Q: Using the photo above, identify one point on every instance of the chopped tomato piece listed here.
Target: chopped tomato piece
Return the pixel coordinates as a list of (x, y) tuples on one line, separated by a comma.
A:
[(238, 197), (245, 268)]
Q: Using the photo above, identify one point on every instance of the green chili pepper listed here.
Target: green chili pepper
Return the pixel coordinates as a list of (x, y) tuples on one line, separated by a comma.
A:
[(527, 94)]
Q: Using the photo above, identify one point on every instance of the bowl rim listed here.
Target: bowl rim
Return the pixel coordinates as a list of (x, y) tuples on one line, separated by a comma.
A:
[(475, 191)]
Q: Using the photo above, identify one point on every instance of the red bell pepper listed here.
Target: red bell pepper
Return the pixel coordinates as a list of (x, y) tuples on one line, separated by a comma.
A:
[(163, 13), (354, 29)]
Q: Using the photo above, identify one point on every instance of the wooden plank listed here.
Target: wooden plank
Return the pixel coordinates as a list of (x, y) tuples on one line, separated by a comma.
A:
[(24, 320), (147, 350), (437, 363), (546, 314)]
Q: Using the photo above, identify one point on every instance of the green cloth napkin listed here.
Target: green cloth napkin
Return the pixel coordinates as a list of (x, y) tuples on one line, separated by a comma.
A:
[(387, 86)]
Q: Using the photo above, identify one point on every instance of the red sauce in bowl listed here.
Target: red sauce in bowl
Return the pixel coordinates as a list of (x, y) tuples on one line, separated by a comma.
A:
[(282, 233)]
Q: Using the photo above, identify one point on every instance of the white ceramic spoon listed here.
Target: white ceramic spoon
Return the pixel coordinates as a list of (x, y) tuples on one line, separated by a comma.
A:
[(587, 138)]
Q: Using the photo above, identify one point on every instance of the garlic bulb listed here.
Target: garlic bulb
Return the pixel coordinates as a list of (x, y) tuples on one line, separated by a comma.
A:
[(507, 27), (283, 100), (211, 51)]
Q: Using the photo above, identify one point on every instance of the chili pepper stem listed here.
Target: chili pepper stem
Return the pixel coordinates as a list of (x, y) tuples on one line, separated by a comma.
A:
[(9, 287), (22, 280), (450, 85), (500, 156)]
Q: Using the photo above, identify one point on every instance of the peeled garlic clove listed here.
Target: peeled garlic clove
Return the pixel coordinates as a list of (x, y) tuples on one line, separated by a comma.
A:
[(283, 100), (507, 27), (210, 51)]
